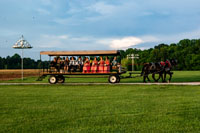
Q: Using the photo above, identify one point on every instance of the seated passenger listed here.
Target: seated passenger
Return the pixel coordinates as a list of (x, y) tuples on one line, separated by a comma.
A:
[(94, 65), (72, 64), (91, 60), (58, 64), (107, 65), (101, 65), (62, 64), (53, 65), (66, 64), (114, 63), (80, 64), (86, 66)]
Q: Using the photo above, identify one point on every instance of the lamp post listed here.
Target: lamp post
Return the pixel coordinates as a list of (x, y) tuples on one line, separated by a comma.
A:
[(22, 44), (133, 56)]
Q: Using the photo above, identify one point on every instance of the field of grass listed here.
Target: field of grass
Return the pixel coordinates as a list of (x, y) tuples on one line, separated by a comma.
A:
[(11, 74), (108, 108), (178, 76)]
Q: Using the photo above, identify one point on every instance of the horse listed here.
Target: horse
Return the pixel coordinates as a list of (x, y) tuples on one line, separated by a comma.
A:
[(152, 68), (161, 68)]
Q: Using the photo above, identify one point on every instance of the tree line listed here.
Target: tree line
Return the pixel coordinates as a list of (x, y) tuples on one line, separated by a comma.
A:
[(14, 62), (186, 51)]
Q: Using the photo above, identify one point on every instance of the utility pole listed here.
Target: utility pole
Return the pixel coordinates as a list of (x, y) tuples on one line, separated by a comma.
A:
[(133, 57)]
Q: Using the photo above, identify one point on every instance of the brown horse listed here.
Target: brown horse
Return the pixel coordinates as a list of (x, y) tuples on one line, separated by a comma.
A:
[(160, 68), (151, 68)]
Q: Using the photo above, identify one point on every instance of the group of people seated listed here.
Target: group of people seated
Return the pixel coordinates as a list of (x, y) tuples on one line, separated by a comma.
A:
[(85, 65)]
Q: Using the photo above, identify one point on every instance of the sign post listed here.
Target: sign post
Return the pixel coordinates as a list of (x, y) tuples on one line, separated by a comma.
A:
[(133, 57)]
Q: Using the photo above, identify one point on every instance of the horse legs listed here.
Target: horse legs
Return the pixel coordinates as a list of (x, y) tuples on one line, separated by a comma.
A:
[(144, 78), (170, 77), (164, 79), (153, 76), (148, 78), (156, 80), (161, 75)]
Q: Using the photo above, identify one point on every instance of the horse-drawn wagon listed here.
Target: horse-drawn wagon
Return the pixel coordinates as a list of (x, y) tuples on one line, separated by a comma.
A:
[(100, 62)]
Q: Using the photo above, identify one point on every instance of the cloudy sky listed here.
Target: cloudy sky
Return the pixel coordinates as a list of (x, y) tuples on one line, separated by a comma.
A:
[(96, 24)]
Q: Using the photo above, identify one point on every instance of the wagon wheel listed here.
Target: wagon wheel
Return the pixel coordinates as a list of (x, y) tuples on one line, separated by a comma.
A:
[(53, 80), (156, 77), (61, 79), (113, 79)]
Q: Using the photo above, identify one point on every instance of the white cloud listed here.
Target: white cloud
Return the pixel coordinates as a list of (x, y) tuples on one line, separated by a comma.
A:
[(125, 42), (128, 42)]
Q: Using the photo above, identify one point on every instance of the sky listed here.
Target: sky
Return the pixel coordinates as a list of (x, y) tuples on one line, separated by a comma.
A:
[(96, 24)]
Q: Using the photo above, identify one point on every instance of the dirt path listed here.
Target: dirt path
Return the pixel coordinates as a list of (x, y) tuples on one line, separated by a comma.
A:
[(180, 83)]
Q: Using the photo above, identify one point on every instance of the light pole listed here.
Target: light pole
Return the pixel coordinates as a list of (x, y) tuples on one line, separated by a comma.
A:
[(22, 44), (133, 56)]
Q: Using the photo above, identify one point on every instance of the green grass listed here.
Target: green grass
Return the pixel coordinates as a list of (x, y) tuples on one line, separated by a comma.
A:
[(108, 108), (178, 76)]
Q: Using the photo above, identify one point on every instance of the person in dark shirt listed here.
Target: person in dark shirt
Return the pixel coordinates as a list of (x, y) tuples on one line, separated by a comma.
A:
[(62, 64), (53, 62), (53, 65), (58, 65), (66, 64)]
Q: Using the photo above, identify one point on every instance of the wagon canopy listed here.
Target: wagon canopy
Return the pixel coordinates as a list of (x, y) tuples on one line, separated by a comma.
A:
[(81, 53)]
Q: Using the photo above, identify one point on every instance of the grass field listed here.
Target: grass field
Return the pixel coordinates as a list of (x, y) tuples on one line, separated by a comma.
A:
[(108, 108), (178, 76), (11, 74)]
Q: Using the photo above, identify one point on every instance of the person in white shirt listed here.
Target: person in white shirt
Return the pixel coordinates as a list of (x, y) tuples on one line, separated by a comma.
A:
[(72, 64), (80, 64)]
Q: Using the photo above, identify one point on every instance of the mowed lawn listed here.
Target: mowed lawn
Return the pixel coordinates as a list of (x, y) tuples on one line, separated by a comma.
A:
[(107, 108)]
